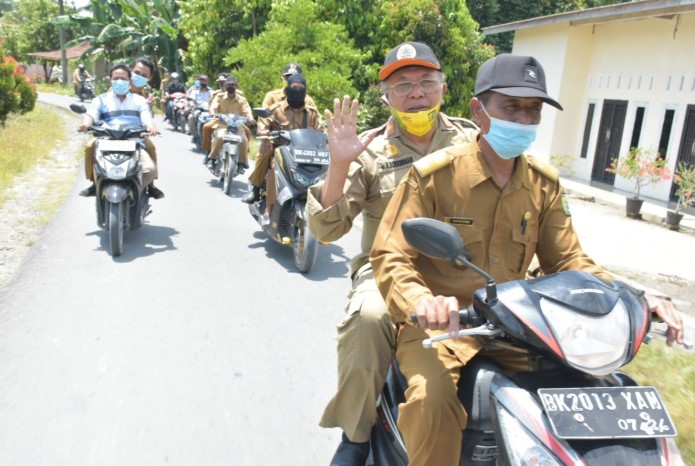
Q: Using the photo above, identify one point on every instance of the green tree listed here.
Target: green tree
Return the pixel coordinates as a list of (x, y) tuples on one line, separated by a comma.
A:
[(28, 28), (493, 12), (295, 33), (121, 30), (212, 27)]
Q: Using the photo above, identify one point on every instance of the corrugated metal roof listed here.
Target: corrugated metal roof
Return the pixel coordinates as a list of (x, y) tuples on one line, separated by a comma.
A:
[(72, 52)]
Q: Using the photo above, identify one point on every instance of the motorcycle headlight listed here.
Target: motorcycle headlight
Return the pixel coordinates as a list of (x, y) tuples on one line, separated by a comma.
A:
[(524, 449), (116, 165), (303, 181), (596, 345)]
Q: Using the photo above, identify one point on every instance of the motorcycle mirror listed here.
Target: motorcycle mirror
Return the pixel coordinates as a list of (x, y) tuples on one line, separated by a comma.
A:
[(78, 108), (434, 238), (262, 112), (440, 240)]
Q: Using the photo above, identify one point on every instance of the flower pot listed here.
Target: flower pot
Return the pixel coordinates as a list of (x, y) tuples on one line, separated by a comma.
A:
[(673, 220), (633, 207)]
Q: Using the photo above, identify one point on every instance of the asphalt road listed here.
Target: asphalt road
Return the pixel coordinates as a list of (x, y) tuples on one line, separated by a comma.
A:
[(199, 345)]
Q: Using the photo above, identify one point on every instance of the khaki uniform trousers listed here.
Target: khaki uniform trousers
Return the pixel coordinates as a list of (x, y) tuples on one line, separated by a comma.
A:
[(208, 129), (148, 161), (432, 414), (366, 340), (218, 141)]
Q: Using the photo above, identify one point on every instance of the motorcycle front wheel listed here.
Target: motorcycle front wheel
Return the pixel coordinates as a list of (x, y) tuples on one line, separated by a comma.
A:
[(229, 175), (305, 246), (182, 122), (116, 227)]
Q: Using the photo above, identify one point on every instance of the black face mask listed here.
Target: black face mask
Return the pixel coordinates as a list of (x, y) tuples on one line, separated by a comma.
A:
[(231, 90), (295, 97), (203, 85)]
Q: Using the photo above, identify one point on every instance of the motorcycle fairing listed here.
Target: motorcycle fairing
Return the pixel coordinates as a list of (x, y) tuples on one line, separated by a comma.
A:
[(518, 310)]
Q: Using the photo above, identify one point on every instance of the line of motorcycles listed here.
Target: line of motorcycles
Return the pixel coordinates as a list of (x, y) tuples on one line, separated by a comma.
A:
[(301, 160), (574, 408)]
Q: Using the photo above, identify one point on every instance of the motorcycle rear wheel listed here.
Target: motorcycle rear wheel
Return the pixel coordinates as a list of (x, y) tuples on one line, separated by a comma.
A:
[(116, 227), (305, 247)]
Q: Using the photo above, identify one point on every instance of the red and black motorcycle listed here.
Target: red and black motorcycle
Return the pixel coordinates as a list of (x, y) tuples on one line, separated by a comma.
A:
[(576, 408)]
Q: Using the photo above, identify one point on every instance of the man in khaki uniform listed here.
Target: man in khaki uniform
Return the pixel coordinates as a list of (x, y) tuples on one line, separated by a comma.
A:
[(291, 113), (229, 102), (78, 76), (362, 176), (277, 95), (507, 207)]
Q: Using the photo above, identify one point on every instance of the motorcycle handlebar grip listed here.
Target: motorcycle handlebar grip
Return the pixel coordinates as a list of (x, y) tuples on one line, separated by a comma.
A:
[(467, 316)]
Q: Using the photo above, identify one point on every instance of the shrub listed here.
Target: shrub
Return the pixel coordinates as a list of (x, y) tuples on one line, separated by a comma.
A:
[(17, 93)]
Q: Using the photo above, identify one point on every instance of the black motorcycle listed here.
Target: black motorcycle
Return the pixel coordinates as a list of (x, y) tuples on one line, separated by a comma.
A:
[(225, 166), (301, 160), (85, 90), (121, 200), (575, 408)]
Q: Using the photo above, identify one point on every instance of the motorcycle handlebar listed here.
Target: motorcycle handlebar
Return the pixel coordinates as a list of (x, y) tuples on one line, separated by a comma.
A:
[(467, 316)]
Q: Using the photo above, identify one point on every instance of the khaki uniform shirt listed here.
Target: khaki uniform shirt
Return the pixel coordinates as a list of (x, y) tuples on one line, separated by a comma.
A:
[(278, 95), (501, 228), (288, 119), (223, 104), (372, 180)]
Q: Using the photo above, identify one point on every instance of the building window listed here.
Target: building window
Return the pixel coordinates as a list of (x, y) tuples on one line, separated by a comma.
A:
[(666, 132), (587, 130), (637, 127)]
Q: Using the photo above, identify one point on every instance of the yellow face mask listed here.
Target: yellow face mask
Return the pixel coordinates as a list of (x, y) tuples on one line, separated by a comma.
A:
[(419, 123)]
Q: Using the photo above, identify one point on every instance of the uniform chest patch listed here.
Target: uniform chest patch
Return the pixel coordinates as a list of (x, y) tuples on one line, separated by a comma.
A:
[(390, 150), (393, 165)]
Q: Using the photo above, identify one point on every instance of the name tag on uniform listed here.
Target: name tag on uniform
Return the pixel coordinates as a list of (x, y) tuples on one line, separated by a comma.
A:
[(458, 220), (393, 165)]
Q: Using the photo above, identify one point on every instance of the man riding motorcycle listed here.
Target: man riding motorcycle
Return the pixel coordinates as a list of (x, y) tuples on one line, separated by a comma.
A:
[(227, 103), (79, 77), (119, 106), (199, 96), (174, 87), (361, 179), (291, 113)]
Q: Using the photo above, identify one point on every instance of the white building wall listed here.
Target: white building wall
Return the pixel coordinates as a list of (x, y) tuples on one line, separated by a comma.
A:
[(647, 62)]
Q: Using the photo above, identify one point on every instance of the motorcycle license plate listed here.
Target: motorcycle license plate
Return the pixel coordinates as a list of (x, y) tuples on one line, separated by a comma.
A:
[(109, 145), (232, 137), (606, 412), (312, 156)]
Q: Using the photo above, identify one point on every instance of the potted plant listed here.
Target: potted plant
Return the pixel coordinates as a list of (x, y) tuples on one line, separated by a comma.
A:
[(644, 168), (684, 179)]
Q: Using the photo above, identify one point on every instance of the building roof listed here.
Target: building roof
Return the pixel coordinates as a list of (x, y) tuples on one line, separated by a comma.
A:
[(72, 52), (604, 14)]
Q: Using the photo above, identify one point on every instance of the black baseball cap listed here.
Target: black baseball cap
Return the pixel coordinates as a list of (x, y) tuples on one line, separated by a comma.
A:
[(291, 68), (515, 76), (409, 54)]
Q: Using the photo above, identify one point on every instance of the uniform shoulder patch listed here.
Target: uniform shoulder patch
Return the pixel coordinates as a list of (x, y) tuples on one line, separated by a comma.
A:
[(463, 122), (432, 162), (543, 168)]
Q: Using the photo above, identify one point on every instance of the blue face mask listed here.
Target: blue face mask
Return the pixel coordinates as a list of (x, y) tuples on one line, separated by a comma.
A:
[(197, 84), (138, 81), (509, 139), (120, 86)]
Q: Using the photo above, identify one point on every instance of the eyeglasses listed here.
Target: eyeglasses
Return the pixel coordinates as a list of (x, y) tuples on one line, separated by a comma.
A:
[(427, 86)]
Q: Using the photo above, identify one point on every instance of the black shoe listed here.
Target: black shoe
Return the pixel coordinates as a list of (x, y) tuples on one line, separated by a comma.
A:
[(245, 165), (350, 453), (211, 164), (206, 160), (240, 168), (154, 192), (89, 192), (252, 196)]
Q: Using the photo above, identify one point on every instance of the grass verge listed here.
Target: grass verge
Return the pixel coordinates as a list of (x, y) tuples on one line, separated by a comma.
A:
[(56, 89), (19, 153), (672, 372)]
